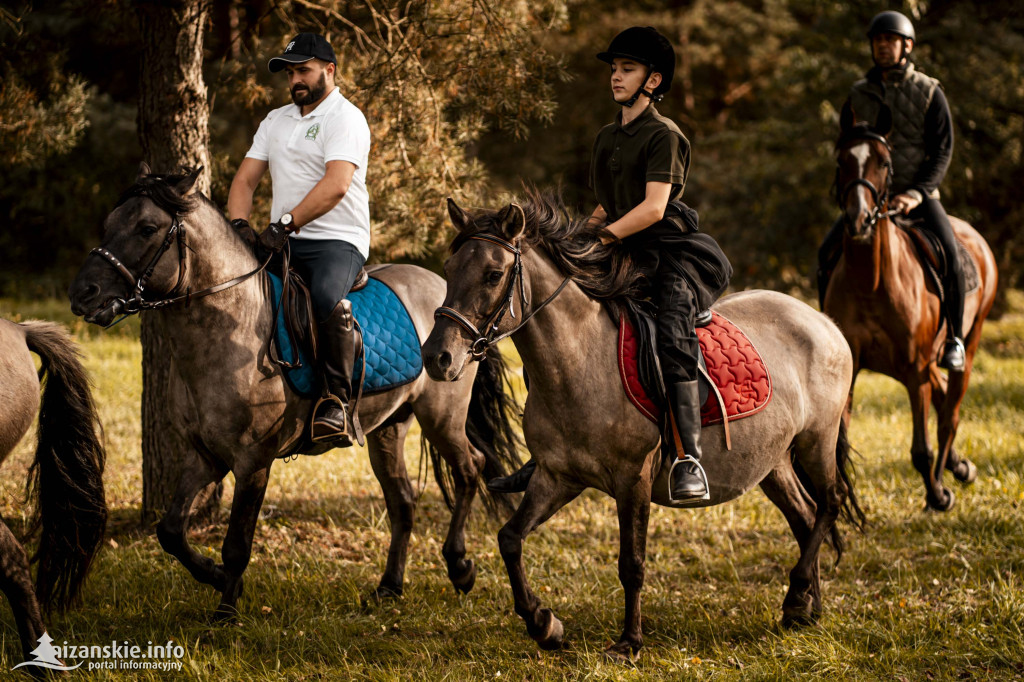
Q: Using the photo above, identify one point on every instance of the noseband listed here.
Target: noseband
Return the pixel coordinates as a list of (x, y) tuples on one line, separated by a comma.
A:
[(880, 198), (484, 340), (135, 303)]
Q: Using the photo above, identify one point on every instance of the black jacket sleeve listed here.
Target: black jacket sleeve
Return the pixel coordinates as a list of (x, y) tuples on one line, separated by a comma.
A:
[(938, 144)]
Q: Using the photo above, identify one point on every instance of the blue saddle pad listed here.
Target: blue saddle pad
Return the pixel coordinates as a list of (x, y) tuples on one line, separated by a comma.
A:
[(391, 346)]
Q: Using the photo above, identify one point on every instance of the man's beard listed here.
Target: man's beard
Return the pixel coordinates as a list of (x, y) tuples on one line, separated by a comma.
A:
[(311, 96)]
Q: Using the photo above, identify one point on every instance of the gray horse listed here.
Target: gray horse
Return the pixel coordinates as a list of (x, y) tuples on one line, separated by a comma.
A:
[(70, 512), (795, 448), (238, 409)]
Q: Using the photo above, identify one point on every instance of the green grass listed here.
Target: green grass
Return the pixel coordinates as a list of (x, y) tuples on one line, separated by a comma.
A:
[(919, 596)]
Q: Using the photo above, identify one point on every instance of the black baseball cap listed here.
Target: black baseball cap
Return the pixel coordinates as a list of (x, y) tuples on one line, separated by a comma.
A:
[(302, 48)]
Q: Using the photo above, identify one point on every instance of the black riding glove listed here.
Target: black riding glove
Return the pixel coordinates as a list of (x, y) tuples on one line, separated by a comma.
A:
[(274, 237), (245, 231)]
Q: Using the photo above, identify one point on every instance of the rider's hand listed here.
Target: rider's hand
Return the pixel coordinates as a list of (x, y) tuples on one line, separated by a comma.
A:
[(906, 202), (274, 237)]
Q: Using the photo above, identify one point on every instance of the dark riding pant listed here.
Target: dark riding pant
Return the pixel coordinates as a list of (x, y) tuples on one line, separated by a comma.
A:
[(328, 266)]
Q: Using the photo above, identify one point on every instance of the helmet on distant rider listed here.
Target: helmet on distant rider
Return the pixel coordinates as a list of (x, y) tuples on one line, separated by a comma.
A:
[(644, 45), (891, 22)]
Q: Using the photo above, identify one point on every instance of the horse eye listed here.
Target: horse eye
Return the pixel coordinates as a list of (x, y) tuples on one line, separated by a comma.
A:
[(494, 276), (148, 230)]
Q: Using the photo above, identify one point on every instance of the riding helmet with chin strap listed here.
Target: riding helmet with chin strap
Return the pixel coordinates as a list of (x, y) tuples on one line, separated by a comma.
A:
[(644, 45), (895, 23)]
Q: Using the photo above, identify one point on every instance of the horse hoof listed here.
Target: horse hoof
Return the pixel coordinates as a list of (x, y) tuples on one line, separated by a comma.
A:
[(966, 472), (552, 633), (796, 620), (622, 652), (380, 595), (943, 505), (225, 613), (464, 582)]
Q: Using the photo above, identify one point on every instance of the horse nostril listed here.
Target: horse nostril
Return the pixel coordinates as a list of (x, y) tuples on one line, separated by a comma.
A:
[(443, 360)]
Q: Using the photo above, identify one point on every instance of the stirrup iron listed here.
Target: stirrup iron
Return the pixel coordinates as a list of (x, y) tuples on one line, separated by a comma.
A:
[(688, 459)]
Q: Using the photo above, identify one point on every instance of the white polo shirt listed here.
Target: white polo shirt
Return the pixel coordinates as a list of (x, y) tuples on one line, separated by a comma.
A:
[(298, 148)]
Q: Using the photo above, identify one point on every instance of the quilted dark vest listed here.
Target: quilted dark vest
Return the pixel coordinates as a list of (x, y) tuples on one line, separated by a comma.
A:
[(908, 99)]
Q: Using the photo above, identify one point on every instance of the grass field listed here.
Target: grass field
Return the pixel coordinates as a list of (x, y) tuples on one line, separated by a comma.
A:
[(920, 596)]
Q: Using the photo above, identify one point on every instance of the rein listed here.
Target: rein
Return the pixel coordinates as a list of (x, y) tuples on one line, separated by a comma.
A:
[(135, 303), (484, 340)]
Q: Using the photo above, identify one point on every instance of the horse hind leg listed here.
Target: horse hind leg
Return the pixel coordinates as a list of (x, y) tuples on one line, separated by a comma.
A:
[(172, 531), (446, 432), (386, 446), (947, 397), (16, 584)]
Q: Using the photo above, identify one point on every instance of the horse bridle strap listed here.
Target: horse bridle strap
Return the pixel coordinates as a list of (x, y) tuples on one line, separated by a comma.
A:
[(482, 340), (880, 198), (136, 303)]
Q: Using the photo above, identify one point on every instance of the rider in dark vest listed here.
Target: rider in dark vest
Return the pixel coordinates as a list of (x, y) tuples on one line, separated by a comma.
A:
[(638, 171), (922, 144)]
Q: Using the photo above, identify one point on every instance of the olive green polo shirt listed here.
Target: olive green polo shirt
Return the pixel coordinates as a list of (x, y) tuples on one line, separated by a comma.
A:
[(650, 148)]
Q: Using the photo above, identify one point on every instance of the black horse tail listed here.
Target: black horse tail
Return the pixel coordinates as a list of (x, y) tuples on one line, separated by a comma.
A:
[(491, 423), (851, 510), (70, 513)]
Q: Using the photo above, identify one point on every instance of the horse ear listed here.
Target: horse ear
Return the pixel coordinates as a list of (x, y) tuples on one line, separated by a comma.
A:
[(847, 118), (186, 185), (513, 222), (460, 219), (143, 171), (883, 124)]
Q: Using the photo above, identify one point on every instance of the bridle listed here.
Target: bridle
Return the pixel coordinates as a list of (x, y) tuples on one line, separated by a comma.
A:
[(135, 303), (881, 198), (484, 340)]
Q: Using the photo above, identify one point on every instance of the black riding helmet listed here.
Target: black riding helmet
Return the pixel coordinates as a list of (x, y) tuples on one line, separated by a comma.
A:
[(644, 45)]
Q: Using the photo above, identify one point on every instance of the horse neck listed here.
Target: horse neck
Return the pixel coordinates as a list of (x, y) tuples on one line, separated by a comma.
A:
[(874, 261), (554, 344), (215, 254)]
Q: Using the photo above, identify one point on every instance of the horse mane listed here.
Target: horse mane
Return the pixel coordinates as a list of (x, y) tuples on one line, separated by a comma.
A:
[(603, 271), (160, 188)]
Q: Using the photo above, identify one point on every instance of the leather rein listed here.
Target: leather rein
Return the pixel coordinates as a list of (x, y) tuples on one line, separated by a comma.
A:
[(482, 340), (880, 198), (135, 303)]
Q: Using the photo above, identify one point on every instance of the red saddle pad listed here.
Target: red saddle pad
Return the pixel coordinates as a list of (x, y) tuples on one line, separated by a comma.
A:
[(733, 363)]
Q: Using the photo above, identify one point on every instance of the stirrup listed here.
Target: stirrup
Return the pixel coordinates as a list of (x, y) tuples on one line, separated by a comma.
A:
[(688, 459), (344, 436)]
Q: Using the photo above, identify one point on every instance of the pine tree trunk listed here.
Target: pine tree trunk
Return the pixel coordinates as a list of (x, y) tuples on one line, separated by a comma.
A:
[(173, 128)]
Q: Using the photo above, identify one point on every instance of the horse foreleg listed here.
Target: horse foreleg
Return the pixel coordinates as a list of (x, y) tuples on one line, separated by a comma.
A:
[(172, 531), (946, 398), (936, 495), (542, 499), (16, 584), (633, 504), (386, 447), (250, 487)]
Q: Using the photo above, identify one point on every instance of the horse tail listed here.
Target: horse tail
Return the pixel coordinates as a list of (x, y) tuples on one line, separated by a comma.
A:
[(70, 513), (491, 429)]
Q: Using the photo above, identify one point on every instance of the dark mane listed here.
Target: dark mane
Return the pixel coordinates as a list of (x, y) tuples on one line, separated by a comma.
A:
[(161, 190), (603, 271)]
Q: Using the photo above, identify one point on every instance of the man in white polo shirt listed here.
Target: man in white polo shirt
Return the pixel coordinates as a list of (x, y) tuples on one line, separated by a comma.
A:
[(316, 150)]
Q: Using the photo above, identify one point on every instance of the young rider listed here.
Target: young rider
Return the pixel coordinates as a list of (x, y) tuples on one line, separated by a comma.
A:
[(639, 166)]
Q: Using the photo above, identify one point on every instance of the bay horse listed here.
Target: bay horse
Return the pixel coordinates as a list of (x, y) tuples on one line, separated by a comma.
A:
[(69, 514), (889, 309), (502, 263), (239, 411)]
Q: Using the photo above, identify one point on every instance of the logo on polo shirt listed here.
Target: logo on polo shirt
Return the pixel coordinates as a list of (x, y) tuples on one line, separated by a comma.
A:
[(313, 131)]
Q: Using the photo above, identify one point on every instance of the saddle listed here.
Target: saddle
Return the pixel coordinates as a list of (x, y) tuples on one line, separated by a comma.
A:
[(934, 259)]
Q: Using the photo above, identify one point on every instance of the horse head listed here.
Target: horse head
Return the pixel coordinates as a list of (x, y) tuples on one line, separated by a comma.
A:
[(130, 261), (863, 172), (485, 276)]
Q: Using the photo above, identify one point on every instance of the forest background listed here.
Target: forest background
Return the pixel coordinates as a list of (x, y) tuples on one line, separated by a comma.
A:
[(470, 98)]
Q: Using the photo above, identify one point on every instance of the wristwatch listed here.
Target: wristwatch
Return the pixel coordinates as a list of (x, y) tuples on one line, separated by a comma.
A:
[(285, 221)]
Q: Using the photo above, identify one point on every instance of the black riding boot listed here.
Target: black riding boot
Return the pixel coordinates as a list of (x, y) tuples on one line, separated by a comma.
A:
[(332, 422), (687, 480), (953, 355), (513, 483)]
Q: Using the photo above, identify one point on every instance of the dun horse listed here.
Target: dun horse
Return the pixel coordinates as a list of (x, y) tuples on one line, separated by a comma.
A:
[(889, 310), (502, 263), (240, 412), (66, 477)]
